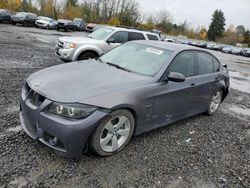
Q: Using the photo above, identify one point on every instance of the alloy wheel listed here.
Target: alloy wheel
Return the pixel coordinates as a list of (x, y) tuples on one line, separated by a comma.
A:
[(215, 103), (115, 133)]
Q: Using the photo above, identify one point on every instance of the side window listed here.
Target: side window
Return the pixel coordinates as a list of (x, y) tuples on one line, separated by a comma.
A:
[(152, 37), (135, 36), (184, 64), (216, 65), (205, 63), (120, 36)]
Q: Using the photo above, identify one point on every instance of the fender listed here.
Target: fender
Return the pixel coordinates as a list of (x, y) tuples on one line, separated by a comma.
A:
[(85, 48)]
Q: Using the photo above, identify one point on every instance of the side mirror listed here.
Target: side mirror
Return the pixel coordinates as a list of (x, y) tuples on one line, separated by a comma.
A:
[(111, 40), (175, 77)]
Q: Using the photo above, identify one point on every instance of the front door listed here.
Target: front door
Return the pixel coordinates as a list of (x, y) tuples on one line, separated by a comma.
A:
[(117, 39), (175, 100)]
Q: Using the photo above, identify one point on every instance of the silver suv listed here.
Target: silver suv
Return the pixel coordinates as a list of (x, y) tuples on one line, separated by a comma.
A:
[(98, 42)]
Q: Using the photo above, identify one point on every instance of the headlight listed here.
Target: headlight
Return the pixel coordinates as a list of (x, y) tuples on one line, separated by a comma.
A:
[(69, 45), (74, 111)]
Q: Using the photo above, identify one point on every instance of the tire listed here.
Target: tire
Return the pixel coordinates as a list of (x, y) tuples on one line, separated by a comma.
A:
[(113, 135), (25, 24), (13, 23), (57, 28), (214, 103), (47, 27), (87, 55)]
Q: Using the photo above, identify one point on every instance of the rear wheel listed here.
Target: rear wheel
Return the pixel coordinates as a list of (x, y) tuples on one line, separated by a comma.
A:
[(113, 134), (13, 23), (214, 103), (87, 55)]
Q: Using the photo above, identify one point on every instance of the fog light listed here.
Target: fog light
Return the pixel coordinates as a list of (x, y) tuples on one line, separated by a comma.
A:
[(53, 141)]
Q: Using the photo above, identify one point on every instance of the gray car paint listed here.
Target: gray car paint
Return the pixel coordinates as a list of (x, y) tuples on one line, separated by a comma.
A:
[(153, 102)]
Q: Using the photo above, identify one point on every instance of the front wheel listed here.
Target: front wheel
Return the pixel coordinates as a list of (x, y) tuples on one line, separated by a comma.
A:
[(87, 55), (214, 103), (113, 134)]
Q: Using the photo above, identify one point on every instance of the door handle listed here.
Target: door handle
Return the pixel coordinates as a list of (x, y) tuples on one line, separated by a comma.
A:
[(192, 84), (217, 78)]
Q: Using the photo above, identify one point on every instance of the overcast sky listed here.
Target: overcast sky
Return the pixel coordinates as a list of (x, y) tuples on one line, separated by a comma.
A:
[(199, 12)]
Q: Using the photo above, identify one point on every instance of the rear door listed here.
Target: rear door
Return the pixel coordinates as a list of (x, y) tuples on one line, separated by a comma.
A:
[(175, 100), (135, 36), (207, 81)]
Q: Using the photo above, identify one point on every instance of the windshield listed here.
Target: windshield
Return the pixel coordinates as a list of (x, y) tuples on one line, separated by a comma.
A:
[(46, 19), (77, 20), (101, 33), (138, 58), (21, 14)]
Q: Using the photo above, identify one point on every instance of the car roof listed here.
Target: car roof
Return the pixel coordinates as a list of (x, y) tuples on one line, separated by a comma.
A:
[(132, 30), (167, 46)]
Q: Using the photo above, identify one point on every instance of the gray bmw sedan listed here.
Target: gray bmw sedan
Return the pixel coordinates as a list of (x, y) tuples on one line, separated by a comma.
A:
[(134, 88)]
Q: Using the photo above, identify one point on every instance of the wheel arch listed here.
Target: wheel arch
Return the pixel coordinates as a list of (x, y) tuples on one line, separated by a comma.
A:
[(87, 51), (84, 49)]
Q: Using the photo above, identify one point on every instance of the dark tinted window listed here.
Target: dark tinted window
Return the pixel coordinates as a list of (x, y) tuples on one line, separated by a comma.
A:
[(135, 36), (216, 65), (184, 64), (152, 37), (205, 63), (120, 36)]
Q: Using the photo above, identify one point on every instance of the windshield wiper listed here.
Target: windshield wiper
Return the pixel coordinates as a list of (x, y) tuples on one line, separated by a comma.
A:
[(118, 66), (101, 60)]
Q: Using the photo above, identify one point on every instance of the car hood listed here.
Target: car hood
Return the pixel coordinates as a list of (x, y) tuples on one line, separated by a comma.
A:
[(78, 81), (78, 40)]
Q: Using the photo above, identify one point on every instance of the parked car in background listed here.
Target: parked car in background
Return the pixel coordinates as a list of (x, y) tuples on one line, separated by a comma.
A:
[(220, 47), (227, 49), (216, 47), (168, 40), (201, 44), (210, 45), (46, 23), (79, 24), (24, 18), (98, 42), (5, 15), (246, 52), (66, 25), (132, 89), (236, 51), (91, 27)]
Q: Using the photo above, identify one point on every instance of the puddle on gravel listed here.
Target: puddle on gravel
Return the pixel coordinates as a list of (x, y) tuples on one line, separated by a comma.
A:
[(19, 182), (15, 129), (240, 81), (239, 110)]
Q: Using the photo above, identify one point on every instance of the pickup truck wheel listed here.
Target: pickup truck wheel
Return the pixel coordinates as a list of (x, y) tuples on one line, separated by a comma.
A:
[(87, 55), (13, 23)]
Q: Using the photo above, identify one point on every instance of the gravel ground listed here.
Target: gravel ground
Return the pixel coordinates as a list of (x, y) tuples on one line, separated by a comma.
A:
[(197, 152)]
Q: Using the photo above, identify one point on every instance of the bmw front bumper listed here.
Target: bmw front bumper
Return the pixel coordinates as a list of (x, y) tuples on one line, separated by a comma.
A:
[(67, 137)]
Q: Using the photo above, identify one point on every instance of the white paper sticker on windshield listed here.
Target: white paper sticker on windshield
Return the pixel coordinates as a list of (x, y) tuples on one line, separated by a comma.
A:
[(154, 51)]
